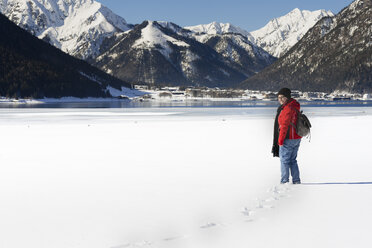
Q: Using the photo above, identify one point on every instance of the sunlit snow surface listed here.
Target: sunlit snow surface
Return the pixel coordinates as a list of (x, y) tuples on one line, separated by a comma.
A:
[(181, 177)]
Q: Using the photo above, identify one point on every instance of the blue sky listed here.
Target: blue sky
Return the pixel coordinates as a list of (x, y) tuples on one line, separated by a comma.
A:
[(250, 15)]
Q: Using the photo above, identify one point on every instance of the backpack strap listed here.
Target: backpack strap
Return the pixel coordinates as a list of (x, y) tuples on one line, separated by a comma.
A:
[(298, 112)]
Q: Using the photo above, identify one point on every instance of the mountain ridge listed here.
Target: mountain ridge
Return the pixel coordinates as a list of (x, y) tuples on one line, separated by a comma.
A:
[(165, 58), (335, 55)]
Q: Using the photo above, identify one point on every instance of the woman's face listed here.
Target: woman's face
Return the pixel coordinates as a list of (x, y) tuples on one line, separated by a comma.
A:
[(282, 99)]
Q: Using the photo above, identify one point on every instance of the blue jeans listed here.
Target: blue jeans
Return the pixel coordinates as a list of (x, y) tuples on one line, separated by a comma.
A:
[(288, 160)]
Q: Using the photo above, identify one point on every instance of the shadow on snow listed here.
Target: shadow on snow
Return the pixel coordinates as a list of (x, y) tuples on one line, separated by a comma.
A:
[(332, 183)]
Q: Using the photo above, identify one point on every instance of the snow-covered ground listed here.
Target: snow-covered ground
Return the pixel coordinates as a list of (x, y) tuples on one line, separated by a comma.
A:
[(181, 177)]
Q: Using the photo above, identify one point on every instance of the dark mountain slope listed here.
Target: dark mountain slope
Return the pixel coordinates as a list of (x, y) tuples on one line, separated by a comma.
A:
[(30, 67)]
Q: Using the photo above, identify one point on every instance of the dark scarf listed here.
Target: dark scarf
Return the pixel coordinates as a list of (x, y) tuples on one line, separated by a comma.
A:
[(275, 148)]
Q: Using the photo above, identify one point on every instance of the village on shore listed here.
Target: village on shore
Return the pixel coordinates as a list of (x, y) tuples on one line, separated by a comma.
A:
[(205, 93), (145, 93)]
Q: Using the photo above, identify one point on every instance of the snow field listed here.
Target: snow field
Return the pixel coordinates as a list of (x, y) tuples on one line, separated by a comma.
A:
[(172, 180)]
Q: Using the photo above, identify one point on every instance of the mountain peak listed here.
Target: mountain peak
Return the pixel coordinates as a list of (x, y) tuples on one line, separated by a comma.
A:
[(281, 33), (295, 10), (214, 28), (153, 37)]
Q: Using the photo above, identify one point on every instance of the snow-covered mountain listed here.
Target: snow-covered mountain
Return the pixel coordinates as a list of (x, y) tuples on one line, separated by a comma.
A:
[(164, 53), (277, 37), (77, 27), (336, 54), (282, 33), (233, 43)]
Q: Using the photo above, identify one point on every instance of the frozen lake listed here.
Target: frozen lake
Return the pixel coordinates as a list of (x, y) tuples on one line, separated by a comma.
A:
[(180, 177), (207, 103), (112, 115)]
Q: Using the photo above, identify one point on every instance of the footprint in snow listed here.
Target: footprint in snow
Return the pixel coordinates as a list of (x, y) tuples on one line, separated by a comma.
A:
[(208, 225), (174, 238), (247, 212), (271, 199), (273, 190), (260, 204), (280, 191), (135, 245)]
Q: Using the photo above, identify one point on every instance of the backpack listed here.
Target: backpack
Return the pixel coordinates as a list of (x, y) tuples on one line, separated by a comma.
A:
[(303, 124)]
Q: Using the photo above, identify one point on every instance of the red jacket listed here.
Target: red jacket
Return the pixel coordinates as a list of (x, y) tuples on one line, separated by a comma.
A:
[(288, 115)]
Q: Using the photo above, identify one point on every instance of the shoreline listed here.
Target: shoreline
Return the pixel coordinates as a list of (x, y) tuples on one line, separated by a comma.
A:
[(161, 100)]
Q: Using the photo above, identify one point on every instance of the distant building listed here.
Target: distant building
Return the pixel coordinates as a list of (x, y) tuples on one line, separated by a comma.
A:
[(367, 97), (165, 94), (171, 89), (141, 87), (194, 92), (270, 96), (310, 95)]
